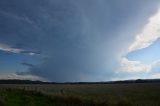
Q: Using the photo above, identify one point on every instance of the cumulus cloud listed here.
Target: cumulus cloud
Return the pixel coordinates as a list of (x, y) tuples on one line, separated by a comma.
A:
[(137, 70), (149, 34), (137, 66), (134, 66)]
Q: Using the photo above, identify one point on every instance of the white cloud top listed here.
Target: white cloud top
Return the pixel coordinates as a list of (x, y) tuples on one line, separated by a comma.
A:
[(148, 35)]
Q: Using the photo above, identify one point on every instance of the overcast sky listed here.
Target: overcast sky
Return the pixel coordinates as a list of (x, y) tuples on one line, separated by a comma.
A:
[(79, 40)]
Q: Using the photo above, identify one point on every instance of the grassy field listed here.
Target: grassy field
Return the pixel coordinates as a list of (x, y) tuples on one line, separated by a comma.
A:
[(135, 94)]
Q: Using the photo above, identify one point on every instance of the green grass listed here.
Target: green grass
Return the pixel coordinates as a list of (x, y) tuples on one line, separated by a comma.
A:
[(12, 97), (145, 94)]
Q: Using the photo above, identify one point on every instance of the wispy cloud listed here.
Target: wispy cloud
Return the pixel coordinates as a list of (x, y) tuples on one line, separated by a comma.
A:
[(16, 17), (148, 35), (21, 77), (8, 48)]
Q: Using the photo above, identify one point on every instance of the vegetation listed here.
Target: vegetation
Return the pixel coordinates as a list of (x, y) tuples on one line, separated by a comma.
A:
[(126, 94)]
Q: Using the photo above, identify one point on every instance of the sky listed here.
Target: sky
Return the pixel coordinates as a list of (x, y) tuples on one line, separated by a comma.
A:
[(79, 40)]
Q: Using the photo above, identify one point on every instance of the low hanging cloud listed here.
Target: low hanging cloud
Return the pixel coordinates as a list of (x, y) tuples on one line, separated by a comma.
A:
[(149, 34), (21, 77)]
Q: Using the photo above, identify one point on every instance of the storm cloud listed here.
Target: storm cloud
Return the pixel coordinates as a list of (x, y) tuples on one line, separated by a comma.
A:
[(77, 40)]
